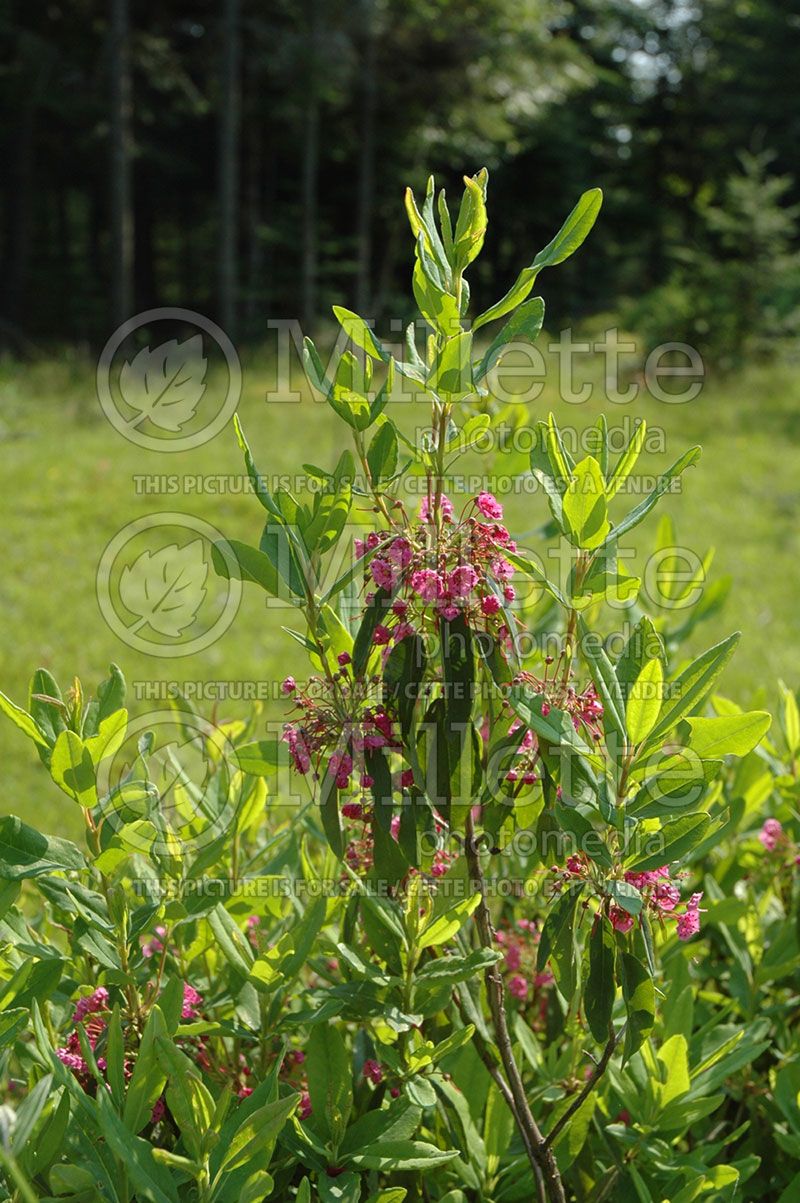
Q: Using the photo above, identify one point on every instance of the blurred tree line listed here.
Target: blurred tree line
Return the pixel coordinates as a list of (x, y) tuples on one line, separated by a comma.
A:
[(247, 157)]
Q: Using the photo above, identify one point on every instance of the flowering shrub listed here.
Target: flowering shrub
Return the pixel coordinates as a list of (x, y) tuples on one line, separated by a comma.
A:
[(512, 923)]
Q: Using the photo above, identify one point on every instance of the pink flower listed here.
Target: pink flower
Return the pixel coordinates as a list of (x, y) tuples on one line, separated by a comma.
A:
[(372, 1071), (489, 506), (689, 921), (383, 574), (402, 631), (513, 958), (462, 580), (620, 920), (400, 553), (445, 508), (72, 1061), (288, 685), (771, 834), (502, 569), (340, 762), (407, 778), (518, 986), (508, 593), (688, 925), (91, 1004), (490, 604), (666, 896), (352, 810), (427, 584), (343, 659), (450, 612), (304, 1106), (382, 635), (192, 1001)]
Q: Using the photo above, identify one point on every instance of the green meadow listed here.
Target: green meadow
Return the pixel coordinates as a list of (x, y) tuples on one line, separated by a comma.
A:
[(70, 483)]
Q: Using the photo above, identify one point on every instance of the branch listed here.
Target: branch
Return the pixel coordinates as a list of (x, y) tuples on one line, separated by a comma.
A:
[(540, 1154), (589, 1086), (485, 1053)]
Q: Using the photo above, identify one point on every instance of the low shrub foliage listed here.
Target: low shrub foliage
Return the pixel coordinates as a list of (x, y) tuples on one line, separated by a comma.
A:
[(504, 911)]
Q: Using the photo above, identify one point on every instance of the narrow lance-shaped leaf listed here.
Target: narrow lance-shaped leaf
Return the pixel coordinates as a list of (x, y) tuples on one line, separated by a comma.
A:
[(566, 242)]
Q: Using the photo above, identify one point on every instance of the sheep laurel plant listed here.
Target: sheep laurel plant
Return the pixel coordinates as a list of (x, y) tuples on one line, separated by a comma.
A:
[(425, 717), (182, 1037)]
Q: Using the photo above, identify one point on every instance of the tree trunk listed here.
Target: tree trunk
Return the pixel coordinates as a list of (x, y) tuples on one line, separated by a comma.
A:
[(310, 172), (228, 165), (366, 167), (121, 148)]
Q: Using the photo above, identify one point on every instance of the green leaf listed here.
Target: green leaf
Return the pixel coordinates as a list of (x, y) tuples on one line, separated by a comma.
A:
[(672, 841), (472, 221), (584, 505), (152, 1180), (605, 680), (398, 1121), (398, 1155), (640, 512), (790, 718), (598, 996), (451, 374), (639, 994), (626, 896), (20, 718), (644, 644), (256, 480), (403, 673), (560, 917), (46, 715), (626, 461), (25, 852), (732, 735), (261, 757), (573, 232), (686, 690), (526, 323), (566, 242), (441, 928), (257, 1135), (329, 1073), (644, 701), (72, 770), (252, 564), (382, 454), (148, 1078), (232, 943), (359, 332), (329, 814)]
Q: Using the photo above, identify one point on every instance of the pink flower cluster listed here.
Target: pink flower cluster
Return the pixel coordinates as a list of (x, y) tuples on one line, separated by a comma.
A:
[(463, 570), (89, 1012), (323, 738), (523, 981), (661, 896), (771, 834)]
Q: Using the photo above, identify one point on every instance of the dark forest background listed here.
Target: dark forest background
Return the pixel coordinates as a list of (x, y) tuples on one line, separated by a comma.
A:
[(247, 158)]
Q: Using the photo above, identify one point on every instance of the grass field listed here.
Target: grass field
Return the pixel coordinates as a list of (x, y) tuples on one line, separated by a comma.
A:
[(69, 486)]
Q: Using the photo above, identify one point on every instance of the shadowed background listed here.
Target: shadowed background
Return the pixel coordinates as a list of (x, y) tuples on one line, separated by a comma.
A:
[(248, 160)]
